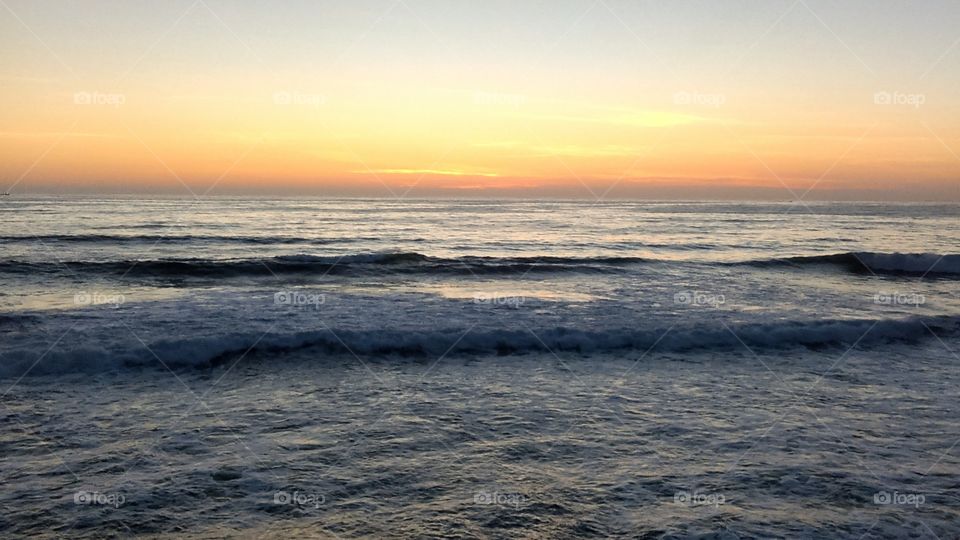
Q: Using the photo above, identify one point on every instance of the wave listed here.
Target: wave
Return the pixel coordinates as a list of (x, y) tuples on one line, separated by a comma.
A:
[(877, 263), (923, 264), (174, 239), (369, 263), (201, 352)]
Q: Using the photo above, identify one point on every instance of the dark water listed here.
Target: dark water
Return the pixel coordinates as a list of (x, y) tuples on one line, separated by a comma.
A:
[(248, 368)]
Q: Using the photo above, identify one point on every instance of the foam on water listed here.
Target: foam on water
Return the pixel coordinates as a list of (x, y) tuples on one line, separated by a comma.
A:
[(366, 264), (207, 350), (410, 365)]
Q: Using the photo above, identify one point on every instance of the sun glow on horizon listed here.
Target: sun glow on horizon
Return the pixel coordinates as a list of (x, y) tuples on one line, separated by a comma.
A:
[(353, 98)]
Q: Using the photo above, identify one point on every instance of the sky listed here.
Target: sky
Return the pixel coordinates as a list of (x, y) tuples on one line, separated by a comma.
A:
[(675, 99)]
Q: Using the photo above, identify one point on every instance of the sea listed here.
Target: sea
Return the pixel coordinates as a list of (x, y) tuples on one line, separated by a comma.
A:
[(351, 368)]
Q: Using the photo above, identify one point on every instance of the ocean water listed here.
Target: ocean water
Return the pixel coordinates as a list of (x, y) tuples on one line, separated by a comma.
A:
[(478, 369)]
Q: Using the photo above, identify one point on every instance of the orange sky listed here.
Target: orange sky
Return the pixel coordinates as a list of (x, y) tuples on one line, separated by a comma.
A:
[(212, 99)]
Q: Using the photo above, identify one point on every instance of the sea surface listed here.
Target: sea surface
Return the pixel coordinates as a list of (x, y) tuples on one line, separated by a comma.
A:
[(343, 368)]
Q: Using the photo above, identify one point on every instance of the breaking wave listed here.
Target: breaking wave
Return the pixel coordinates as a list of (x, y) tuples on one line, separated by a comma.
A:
[(206, 351), (171, 239), (879, 263), (919, 264), (363, 264)]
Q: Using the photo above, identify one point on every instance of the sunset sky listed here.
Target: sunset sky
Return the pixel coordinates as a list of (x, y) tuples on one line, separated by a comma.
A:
[(663, 99)]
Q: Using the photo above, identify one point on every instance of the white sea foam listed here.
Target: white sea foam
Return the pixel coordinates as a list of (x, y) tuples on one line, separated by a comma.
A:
[(201, 351)]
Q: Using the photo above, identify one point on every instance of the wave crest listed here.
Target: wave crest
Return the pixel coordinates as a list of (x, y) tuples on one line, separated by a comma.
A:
[(211, 350), (877, 263), (362, 264), (916, 264)]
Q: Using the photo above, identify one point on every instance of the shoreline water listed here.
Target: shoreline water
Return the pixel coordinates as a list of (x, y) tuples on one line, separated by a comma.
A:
[(671, 445), (370, 369)]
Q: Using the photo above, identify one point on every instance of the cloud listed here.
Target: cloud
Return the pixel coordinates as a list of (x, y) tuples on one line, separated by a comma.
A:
[(643, 119), (50, 134), (570, 150), (428, 172)]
